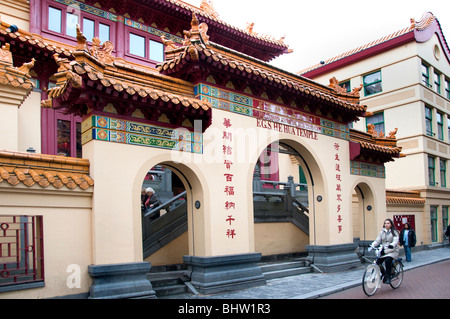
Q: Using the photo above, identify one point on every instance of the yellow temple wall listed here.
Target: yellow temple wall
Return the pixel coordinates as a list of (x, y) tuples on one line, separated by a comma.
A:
[(67, 236), (117, 168)]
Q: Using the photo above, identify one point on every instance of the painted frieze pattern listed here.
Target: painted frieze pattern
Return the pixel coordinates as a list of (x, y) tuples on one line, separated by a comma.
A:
[(369, 170), (109, 129), (262, 110)]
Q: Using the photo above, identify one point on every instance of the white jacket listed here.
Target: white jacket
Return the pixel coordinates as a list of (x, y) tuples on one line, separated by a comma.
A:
[(388, 238)]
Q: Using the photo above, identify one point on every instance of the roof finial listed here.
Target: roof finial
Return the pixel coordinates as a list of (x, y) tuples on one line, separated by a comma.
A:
[(207, 7)]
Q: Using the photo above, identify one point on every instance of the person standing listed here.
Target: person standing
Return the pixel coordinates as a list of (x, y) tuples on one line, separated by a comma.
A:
[(407, 240)]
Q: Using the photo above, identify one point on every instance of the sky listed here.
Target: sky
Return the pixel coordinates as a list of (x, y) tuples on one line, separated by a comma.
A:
[(320, 29)]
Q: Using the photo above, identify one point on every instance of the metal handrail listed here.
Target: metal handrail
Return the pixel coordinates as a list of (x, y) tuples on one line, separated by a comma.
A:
[(164, 205)]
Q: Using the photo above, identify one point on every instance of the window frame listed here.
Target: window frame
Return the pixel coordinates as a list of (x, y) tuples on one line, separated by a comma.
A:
[(65, 10), (347, 85), (373, 83), (429, 120), (379, 126), (443, 172), (447, 88), (437, 81), (147, 38), (75, 150), (431, 170), (426, 77), (440, 125)]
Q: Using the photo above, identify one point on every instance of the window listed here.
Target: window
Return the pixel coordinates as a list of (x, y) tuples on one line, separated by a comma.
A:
[(156, 51), (103, 32), (71, 24), (372, 83), (137, 45), (448, 126), (64, 22), (426, 75), (431, 170), (21, 252), (429, 121), (92, 29), (443, 169), (145, 47), (377, 120), (437, 82), (345, 85), (54, 19), (433, 219), (440, 125), (447, 88), (68, 135), (88, 28)]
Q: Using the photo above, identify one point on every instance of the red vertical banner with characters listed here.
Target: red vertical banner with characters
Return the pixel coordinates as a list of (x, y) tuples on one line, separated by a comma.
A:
[(338, 180), (228, 176)]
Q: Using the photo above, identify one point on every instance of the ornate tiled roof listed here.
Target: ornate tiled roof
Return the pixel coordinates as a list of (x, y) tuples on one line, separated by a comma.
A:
[(44, 170), (368, 147), (12, 76), (206, 9), (197, 48), (103, 72), (417, 30), (34, 40), (396, 197)]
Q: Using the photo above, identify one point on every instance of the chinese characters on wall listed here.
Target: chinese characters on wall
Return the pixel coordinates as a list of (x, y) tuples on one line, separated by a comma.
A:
[(337, 163), (229, 190)]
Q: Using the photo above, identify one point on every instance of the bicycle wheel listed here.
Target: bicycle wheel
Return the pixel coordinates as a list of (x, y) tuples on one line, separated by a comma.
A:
[(397, 276), (371, 280)]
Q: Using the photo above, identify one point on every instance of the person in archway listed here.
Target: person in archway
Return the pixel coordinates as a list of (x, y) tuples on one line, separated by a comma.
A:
[(407, 240), (389, 240), (152, 202)]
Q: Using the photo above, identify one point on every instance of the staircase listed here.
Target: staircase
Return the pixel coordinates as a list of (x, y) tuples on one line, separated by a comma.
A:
[(168, 283), (284, 268), (269, 206), (159, 232)]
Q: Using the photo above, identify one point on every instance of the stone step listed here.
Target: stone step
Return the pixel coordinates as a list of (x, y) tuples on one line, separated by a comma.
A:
[(274, 270), (168, 282)]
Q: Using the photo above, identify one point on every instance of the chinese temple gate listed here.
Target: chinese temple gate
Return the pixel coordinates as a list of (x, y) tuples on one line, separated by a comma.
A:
[(227, 124)]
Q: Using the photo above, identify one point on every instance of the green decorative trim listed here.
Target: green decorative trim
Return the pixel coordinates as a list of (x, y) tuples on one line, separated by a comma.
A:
[(134, 133), (364, 169), (245, 105)]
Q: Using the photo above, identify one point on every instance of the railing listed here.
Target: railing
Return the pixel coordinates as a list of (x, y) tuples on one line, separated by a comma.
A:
[(21, 250), (165, 205), (267, 188)]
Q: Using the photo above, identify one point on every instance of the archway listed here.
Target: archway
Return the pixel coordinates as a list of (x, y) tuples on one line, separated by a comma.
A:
[(168, 228), (285, 181), (363, 213)]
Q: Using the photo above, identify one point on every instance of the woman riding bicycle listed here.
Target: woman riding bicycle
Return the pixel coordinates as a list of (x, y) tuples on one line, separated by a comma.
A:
[(388, 239)]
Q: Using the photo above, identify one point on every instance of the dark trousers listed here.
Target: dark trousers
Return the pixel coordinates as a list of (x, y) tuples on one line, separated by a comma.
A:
[(387, 264)]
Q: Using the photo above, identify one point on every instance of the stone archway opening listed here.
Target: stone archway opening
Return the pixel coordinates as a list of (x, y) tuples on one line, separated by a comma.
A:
[(166, 232), (363, 214), (282, 182)]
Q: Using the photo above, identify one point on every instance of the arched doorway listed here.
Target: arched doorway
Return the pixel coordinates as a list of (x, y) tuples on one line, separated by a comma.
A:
[(168, 228), (284, 204), (363, 214)]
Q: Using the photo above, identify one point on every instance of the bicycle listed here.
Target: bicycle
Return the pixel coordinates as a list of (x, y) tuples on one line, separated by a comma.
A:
[(374, 274)]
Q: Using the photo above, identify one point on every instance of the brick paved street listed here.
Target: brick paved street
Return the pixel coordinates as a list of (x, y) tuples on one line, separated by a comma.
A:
[(427, 282)]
